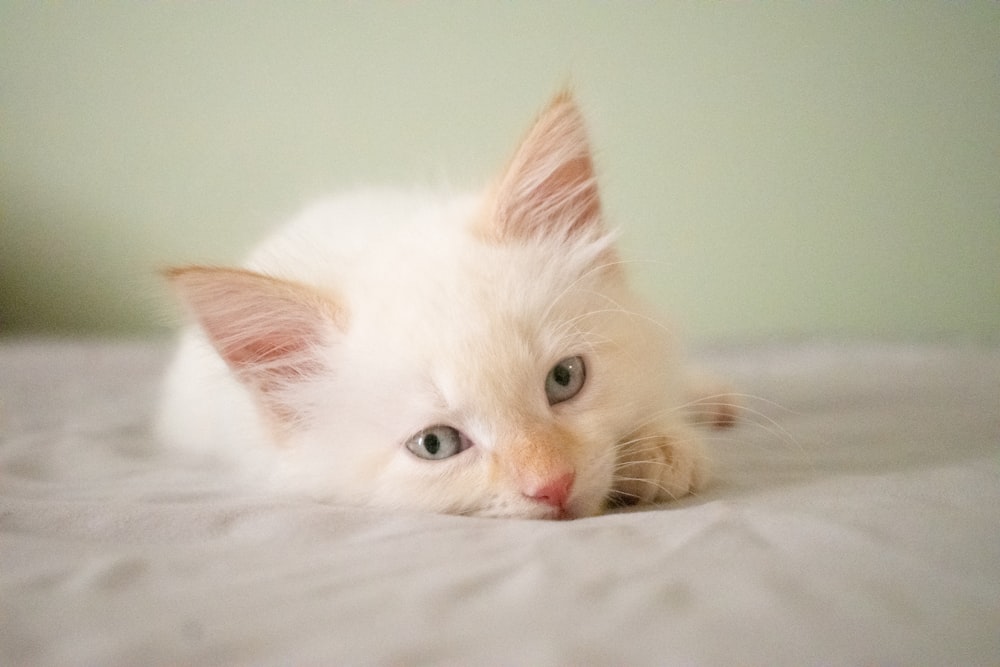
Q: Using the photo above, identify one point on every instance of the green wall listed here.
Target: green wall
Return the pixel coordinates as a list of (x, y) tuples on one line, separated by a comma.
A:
[(780, 170)]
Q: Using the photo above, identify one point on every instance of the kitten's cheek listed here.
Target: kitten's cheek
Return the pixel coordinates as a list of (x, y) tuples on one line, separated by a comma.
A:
[(584, 507), (584, 503)]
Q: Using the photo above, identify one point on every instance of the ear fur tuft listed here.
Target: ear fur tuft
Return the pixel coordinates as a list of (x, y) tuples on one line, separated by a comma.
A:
[(266, 329), (549, 187)]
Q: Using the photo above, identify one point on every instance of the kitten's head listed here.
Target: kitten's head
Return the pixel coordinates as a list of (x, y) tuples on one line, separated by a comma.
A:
[(487, 362)]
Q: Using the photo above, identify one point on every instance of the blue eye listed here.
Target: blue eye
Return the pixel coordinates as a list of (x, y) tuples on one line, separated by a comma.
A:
[(565, 380), (438, 442)]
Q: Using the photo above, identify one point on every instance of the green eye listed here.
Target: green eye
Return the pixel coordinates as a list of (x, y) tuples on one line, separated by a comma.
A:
[(438, 442), (565, 380)]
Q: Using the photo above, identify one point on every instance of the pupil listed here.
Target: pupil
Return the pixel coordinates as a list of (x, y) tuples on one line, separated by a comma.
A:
[(432, 443), (561, 375)]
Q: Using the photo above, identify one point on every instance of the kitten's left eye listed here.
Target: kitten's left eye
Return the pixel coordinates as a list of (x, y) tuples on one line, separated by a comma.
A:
[(438, 442), (565, 380)]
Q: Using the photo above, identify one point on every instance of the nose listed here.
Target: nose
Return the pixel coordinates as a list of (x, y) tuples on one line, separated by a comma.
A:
[(555, 491)]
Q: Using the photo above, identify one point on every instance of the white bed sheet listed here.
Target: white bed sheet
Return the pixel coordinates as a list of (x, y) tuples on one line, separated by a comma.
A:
[(855, 521)]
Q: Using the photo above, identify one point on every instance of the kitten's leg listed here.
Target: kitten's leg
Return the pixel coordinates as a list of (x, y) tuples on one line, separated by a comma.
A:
[(711, 401), (660, 464)]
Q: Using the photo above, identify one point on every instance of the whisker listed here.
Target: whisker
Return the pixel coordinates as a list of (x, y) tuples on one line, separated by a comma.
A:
[(659, 487)]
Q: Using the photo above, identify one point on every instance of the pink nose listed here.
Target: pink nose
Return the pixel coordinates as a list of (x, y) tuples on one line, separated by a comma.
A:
[(555, 491)]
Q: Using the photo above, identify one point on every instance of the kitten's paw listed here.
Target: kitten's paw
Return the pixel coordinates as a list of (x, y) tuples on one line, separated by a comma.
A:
[(659, 468), (711, 401)]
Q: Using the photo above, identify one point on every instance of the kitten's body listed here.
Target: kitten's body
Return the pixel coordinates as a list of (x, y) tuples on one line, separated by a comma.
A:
[(375, 316)]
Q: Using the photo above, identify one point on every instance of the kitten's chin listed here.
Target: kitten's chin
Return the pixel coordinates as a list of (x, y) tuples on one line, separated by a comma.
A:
[(540, 511), (567, 513), (576, 509), (541, 514)]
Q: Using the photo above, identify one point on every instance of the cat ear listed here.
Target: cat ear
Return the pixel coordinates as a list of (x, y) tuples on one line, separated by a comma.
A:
[(266, 329), (549, 187)]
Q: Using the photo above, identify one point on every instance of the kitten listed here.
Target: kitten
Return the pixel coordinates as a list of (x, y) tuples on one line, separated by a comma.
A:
[(477, 354)]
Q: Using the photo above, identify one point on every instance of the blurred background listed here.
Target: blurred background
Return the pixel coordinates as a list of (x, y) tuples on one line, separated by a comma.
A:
[(779, 170)]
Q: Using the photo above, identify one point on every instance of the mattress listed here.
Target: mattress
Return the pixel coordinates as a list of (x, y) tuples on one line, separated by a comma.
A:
[(853, 519)]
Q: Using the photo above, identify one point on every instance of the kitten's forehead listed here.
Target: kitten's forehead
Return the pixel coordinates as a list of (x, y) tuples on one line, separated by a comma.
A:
[(472, 322), (468, 331), (439, 267)]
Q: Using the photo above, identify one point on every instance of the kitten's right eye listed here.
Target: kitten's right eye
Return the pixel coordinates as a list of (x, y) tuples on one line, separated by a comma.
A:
[(438, 442)]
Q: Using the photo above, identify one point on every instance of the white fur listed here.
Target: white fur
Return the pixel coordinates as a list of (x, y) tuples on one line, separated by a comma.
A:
[(445, 325), (445, 328)]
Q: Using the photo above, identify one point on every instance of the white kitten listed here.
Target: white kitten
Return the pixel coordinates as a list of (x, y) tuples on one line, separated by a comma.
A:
[(476, 355)]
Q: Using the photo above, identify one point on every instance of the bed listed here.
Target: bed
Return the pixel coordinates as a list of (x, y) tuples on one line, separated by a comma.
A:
[(853, 519)]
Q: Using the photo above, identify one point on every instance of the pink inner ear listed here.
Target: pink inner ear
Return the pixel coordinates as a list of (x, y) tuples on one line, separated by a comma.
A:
[(550, 185), (574, 187), (269, 349), (265, 328)]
